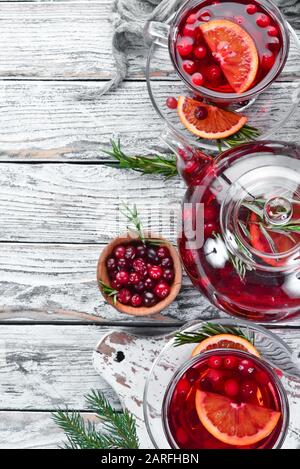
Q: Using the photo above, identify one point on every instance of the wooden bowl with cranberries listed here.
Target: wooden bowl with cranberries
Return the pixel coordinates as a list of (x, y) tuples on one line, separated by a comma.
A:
[(139, 278)]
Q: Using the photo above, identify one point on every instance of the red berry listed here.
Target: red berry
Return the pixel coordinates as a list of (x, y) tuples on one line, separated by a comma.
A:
[(124, 296), (214, 375), (267, 60), (115, 284), (141, 250), (189, 66), (197, 79), (239, 19), (272, 31), (200, 52), (139, 266), (205, 385), (140, 287), (185, 45), (251, 9), (136, 300), (191, 19), (192, 375), (167, 262), (111, 263), (230, 362), (215, 362), (263, 20), (248, 389), (231, 387), (119, 252), (183, 387), (122, 263), (163, 252), (122, 277), (155, 272), (168, 275), (172, 103), (149, 299), (278, 372), (261, 377), (213, 73), (246, 367), (201, 113), (149, 283), (134, 278), (205, 16), (209, 229), (162, 290), (130, 253), (190, 30), (274, 44), (152, 255)]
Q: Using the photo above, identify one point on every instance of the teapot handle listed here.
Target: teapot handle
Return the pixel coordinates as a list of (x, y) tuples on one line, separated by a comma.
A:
[(156, 32)]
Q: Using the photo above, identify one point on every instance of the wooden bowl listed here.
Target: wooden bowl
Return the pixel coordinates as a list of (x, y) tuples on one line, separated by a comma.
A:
[(102, 275)]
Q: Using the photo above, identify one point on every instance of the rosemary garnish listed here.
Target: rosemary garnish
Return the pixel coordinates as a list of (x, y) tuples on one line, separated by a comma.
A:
[(119, 427), (244, 135), (133, 217), (209, 329), (163, 165), (109, 291), (239, 265)]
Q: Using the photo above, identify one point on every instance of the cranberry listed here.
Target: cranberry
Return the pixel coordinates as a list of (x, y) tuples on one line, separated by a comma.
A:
[(230, 362), (185, 45), (205, 16), (140, 287), (172, 103), (209, 229), (124, 296), (268, 60), (139, 266), (213, 72), (162, 290), (152, 255), (130, 253), (149, 299), (155, 272), (163, 252), (274, 44), (263, 20), (122, 277), (248, 389), (251, 9), (192, 375), (261, 377), (141, 250), (189, 66), (182, 387), (197, 79), (134, 278), (190, 30), (246, 367), (122, 263), (239, 19), (167, 262), (168, 275), (111, 263), (278, 372), (201, 113), (149, 283), (115, 284), (215, 362), (136, 300), (215, 375), (231, 387), (191, 19), (119, 251), (272, 31), (200, 52), (205, 385)]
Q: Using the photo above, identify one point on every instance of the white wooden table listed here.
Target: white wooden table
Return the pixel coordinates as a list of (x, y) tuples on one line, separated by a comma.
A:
[(58, 205)]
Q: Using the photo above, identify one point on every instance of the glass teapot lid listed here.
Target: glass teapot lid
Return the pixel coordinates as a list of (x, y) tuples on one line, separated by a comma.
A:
[(258, 189)]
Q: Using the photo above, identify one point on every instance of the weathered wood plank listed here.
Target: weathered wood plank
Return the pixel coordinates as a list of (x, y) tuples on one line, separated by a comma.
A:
[(68, 121), (55, 40)]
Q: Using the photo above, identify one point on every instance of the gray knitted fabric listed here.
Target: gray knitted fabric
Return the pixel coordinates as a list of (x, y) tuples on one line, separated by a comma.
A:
[(129, 18)]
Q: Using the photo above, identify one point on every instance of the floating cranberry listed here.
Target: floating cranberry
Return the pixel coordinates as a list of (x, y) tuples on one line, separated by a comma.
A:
[(136, 300), (197, 79), (163, 252), (200, 52), (149, 299), (162, 290), (119, 252), (263, 20), (167, 262), (246, 367), (152, 255), (111, 263), (261, 377), (124, 296), (251, 9), (155, 272), (248, 389), (168, 275), (215, 362), (272, 31), (141, 250), (205, 385), (172, 103), (191, 19), (189, 66), (267, 60), (201, 113), (115, 284), (192, 375), (140, 287), (130, 253), (139, 266), (205, 16), (122, 277), (183, 387), (231, 387), (213, 72), (185, 45), (122, 263), (230, 362), (274, 44), (190, 30), (134, 278), (215, 375)]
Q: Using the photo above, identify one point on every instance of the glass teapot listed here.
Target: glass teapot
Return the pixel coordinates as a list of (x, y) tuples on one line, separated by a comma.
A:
[(240, 236)]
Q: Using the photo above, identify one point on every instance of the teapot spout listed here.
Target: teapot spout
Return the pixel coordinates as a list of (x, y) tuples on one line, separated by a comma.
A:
[(191, 162)]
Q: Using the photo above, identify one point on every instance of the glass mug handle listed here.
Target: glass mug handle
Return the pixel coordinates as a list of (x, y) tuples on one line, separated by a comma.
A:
[(156, 32)]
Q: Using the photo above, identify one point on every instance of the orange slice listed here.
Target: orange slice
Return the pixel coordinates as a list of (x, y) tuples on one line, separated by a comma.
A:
[(217, 124), (235, 424), (225, 341), (235, 51)]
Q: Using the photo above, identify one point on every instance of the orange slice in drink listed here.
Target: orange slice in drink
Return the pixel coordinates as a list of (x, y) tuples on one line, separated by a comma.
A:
[(227, 341), (217, 124), (235, 51), (235, 424)]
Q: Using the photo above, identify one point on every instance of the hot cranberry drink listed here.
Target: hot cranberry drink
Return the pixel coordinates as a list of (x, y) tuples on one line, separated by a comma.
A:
[(225, 399)]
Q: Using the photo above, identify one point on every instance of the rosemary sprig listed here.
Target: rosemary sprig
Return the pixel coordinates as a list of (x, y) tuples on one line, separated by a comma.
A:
[(239, 265), (108, 291), (163, 165), (208, 330), (244, 135), (133, 217), (119, 428)]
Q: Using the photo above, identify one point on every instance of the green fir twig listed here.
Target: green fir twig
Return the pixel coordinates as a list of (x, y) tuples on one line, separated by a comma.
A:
[(208, 330)]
